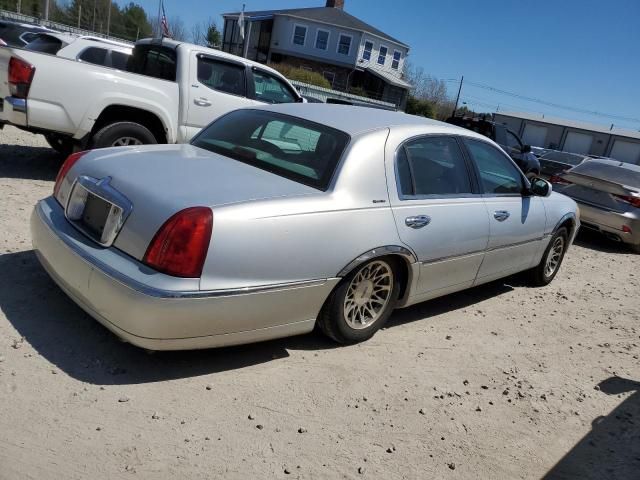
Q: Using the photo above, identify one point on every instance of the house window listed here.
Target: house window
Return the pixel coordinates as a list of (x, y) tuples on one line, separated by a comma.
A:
[(330, 76), (322, 39), (395, 63), (366, 53), (299, 34), (344, 44), (382, 55)]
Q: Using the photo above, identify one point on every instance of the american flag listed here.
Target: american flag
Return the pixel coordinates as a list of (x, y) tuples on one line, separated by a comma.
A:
[(164, 24)]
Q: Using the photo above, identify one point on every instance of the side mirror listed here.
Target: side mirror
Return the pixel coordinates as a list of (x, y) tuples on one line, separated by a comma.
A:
[(540, 187), (526, 148)]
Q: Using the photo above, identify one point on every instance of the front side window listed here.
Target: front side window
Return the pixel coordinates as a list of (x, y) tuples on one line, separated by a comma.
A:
[(222, 76), (344, 44), (299, 34), (270, 89), (432, 166), (368, 48), (498, 175), (382, 55), (395, 63), (287, 146), (94, 55), (322, 39)]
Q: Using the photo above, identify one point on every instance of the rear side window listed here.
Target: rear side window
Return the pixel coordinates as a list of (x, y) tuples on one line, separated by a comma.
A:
[(498, 174), (119, 60), (94, 55), (153, 61), (222, 76), (432, 166), (45, 44), (271, 89), (287, 146)]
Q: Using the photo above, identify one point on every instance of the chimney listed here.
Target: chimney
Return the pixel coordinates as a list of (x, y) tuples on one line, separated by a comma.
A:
[(335, 4)]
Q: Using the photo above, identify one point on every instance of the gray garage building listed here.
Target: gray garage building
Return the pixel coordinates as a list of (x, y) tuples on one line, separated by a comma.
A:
[(572, 136)]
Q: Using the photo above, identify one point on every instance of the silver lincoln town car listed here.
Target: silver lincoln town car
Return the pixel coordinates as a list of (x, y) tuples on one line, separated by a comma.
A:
[(277, 219)]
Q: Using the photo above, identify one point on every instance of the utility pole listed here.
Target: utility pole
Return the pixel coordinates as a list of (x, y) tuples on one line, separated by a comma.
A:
[(458, 97), (46, 10), (79, 13), (19, 6), (95, 7), (108, 16)]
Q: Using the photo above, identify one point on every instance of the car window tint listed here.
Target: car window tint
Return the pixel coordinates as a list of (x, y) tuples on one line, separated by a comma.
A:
[(432, 166), (512, 141), (153, 61), (497, 173), (222, 76), (94, 55), (119, 60), (271, 89), (44, 44), (291, 147)]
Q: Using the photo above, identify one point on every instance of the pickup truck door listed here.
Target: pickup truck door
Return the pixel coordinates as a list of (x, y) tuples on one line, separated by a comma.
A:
[(438, 210), (217, 86), (516, 221)]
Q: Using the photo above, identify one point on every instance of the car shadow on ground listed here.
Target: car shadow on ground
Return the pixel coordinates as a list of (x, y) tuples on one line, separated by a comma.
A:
[(612, 448), (596, 241), (73, 342), (30, 163)]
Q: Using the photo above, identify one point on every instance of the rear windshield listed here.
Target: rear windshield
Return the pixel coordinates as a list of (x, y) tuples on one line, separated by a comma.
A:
[(610, 170), (45, 44), (291, 147)]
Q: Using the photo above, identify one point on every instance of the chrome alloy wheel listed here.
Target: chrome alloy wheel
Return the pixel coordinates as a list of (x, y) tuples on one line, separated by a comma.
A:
[(368, 295), (126, 141), (554, 256)]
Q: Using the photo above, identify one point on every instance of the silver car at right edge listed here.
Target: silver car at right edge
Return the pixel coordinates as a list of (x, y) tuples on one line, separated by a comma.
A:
[(608, 194)]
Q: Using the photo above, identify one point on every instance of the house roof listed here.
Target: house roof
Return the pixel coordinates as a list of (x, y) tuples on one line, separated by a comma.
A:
[(621, 132), (389, 78), (333, 16)]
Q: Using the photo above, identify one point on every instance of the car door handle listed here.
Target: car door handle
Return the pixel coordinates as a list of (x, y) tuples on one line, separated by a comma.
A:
[(418, 221), (202, 102), (501, 215)]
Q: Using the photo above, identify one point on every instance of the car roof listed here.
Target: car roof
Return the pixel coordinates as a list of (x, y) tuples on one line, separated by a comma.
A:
[(356, 120)]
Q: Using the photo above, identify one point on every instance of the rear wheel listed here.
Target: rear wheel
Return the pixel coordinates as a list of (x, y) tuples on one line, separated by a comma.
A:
[(362, 302), (61, 144), (548, 267), (123, 134)]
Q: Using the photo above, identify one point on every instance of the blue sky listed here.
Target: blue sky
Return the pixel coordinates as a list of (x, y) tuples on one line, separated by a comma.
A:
[(580, 53)]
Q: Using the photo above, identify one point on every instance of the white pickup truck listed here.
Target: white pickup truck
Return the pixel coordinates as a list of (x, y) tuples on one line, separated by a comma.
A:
[(169, 92)]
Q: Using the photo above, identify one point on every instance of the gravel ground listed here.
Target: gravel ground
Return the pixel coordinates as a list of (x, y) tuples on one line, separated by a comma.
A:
[(502, 381)]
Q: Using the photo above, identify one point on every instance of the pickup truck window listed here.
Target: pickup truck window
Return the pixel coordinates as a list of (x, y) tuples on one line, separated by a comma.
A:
[(119, 60), (153, 61), (500, 135), (512, 141), (45, 44), (94, 55), (290, 147), (222, 76), (271, 89)]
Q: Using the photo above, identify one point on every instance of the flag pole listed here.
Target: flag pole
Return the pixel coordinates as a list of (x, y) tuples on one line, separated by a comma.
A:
[(159, 27)]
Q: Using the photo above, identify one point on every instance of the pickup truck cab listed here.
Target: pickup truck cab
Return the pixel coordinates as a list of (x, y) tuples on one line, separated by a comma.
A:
[(169, 92), (510, 142)]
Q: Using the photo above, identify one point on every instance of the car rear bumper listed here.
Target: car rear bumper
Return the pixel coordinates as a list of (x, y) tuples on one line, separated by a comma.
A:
[(610, 223), (158, 312), (14, 111)]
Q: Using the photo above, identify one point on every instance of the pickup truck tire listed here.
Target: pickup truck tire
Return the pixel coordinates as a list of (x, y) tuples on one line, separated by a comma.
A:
[(61, 144), (121, 134)]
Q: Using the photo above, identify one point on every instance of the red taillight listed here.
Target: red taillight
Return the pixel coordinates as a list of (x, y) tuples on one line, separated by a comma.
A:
[(64, 169), (20, 77), (635, 201), (626, 229), (180, 247), (558, 180)]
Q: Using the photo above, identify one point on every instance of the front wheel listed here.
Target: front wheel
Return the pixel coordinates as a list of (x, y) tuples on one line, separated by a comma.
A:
[(122, 134), (548, 267), (61, 144), (362, 302)]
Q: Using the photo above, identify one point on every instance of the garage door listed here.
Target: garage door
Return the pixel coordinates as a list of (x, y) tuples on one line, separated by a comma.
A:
[(534, 135), (578, 143), (625, 151)]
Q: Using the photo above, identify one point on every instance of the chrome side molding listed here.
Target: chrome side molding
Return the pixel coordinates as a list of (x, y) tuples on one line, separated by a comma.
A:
[(378, 252)]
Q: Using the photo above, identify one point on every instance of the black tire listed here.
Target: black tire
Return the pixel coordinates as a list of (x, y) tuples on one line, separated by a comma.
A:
[(61, 144), (539, 276), (635, 248), (108, 136), (332, 321)]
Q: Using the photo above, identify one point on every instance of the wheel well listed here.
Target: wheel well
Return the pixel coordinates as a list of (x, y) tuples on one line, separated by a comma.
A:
[(121, 113), (569, 224)]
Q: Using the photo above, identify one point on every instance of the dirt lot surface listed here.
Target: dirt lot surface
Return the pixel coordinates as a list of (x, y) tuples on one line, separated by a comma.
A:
[(502, 381)]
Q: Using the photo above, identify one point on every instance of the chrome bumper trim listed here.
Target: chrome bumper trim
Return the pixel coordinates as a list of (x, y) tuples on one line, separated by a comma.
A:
[(162, 293), (18, 104)]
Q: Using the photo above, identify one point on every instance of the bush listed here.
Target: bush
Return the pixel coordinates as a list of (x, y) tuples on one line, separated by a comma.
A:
[(423, 108), (361, 92), (305, 76)]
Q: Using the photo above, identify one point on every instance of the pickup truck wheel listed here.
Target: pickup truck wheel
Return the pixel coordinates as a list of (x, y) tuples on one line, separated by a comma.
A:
[(61, 144), (122, 134)]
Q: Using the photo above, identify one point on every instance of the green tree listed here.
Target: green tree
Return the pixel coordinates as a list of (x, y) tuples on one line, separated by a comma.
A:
[(417, 106), (213, 36)]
